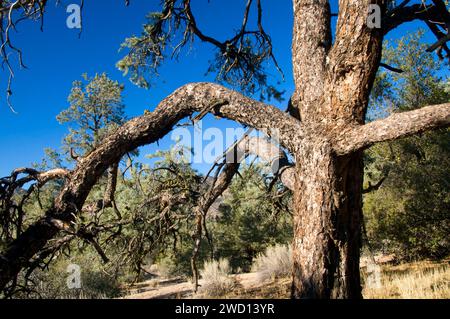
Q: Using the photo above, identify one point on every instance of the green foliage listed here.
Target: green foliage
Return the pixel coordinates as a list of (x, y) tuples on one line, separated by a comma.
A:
[(239, 61), (410, 213), (246, 222), (51, 283), (158, 200), (249, 220), (95, 109)]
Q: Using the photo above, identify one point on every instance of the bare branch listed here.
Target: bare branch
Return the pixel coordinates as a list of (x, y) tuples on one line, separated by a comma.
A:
[(391, 68), (404, 14), (28, 9), (239, 60), (273, 155), (111, 184)]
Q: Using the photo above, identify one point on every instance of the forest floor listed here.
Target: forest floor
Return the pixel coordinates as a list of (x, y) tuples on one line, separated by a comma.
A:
[(245, 286), (424, 279)]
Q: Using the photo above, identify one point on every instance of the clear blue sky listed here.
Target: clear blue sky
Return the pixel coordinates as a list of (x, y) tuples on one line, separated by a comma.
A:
[(57, 57)]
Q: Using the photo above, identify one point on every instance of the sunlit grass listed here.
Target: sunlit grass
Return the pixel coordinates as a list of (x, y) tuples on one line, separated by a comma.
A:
[(419, 280)]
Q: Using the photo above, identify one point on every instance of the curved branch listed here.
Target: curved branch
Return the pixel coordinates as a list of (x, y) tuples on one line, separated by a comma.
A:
[(260, 147), (393, 127), (196, 30), (406, 14), (137, 132), (180, 104), (12, 182), (390, 68), (219, 185)]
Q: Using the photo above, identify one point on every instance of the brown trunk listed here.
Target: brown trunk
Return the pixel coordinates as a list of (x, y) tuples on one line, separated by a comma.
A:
[(327, 211), (333, 83)]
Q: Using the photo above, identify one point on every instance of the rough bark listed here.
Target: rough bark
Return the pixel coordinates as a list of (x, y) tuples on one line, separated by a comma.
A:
[(140, 131), (327, 210), (393, 127), (332, 86), (327, 196), (310, 45), (111, 184), (352, 65)]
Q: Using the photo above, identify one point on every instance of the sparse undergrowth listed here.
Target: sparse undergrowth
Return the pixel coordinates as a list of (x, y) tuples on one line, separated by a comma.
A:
[(275, 262), (423, 279), (216, 278), (420, 280)]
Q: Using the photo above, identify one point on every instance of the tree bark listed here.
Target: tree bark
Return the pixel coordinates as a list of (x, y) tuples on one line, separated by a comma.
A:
[(327, 210), (333, 83)]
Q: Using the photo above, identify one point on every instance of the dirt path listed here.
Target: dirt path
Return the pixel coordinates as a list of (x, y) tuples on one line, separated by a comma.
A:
[(176, 288)]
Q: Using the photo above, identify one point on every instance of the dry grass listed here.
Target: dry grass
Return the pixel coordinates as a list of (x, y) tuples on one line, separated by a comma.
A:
[(277, 289), (216, 279), (420, 280), (275, 262), (413, 280)]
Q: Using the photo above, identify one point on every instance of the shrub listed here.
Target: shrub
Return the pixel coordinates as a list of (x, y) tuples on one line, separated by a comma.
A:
[(52, 284), (166, 267), (216, 280), (275, 262)]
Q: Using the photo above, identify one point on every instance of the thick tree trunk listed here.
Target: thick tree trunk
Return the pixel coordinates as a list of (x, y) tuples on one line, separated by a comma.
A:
[(332, 85), (327, 212)]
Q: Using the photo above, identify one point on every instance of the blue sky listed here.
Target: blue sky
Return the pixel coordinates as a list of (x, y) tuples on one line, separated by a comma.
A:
[(57, 57)]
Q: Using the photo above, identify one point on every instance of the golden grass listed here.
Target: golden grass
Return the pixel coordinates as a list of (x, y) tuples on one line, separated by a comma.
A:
[(419, 280), (275, 289)]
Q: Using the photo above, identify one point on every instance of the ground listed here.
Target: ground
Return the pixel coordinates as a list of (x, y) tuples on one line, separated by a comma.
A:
[(425, 279)]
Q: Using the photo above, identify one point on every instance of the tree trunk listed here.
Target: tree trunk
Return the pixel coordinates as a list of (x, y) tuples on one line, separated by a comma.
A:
[(327, 213), (333, 80)]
